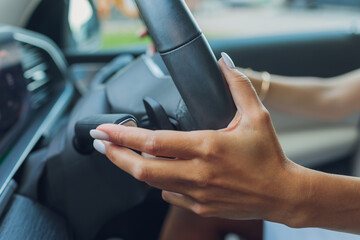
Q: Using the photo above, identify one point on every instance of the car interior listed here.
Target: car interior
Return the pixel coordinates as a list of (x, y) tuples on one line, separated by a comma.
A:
[(53, 185)]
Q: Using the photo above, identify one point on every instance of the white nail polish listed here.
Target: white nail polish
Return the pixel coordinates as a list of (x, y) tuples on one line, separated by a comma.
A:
[(229, 62), (99, 135), (99, 146)]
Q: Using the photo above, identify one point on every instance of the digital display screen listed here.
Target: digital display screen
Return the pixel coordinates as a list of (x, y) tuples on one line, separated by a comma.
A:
[(12, 90)]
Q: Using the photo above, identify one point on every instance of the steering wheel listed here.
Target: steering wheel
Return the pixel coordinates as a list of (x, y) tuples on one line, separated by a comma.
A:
[(190, 62), (79, 181)]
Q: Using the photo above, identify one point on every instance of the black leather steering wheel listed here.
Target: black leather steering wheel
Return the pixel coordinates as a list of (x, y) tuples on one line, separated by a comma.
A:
[(190, 61), (83, 186)]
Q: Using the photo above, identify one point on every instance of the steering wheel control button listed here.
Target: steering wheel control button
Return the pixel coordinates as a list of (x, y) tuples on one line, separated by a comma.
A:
[(83, 141)]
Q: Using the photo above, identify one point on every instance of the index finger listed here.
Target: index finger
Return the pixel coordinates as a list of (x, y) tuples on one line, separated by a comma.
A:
[(156, 143), (173, 175)]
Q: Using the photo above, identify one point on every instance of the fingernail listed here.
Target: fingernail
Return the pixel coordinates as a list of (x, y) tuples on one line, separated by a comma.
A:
[(99, 135), (229, 62), (99, 146)]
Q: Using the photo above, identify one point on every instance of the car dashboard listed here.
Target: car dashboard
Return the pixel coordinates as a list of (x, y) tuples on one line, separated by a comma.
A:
[(34, 91)]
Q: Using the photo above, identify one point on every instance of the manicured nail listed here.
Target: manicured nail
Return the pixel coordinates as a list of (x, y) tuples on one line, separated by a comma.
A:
[(99, 146), (99, 135), (229, 62)]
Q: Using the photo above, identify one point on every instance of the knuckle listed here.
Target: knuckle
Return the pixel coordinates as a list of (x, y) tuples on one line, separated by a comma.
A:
[(201, 210), (141, 172), (202, 179), (262, 116), (201, 197), (116, 136), (204, 176), (210, 147), (151, 145), (239, 77)]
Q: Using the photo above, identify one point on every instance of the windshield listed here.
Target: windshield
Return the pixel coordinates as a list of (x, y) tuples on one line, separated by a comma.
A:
[(235, 18)]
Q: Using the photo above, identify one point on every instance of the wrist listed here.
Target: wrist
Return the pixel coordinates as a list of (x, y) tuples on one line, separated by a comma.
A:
[(296, 191), (327, 201), (302, 193)]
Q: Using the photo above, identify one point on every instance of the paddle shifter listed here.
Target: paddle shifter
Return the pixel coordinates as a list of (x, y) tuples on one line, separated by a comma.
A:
[(83, 142)]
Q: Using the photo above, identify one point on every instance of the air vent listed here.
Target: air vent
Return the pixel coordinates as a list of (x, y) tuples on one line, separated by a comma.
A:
[(36, 74)]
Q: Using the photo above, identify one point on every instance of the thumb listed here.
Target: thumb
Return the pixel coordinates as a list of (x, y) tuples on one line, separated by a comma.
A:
[(242, 91)]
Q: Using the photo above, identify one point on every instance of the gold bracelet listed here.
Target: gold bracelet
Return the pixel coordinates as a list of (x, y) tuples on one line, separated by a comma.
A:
[(265, 85)]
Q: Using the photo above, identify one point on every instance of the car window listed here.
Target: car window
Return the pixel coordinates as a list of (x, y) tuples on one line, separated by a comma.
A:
[(235, 18)]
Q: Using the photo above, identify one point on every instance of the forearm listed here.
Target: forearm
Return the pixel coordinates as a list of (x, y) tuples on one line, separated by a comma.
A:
[(329, 99), (326, 201), (300, 96)]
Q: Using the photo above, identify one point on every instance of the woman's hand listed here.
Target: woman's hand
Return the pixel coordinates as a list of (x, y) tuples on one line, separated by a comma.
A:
[(103, 8), (239, 172), (151, 50)]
